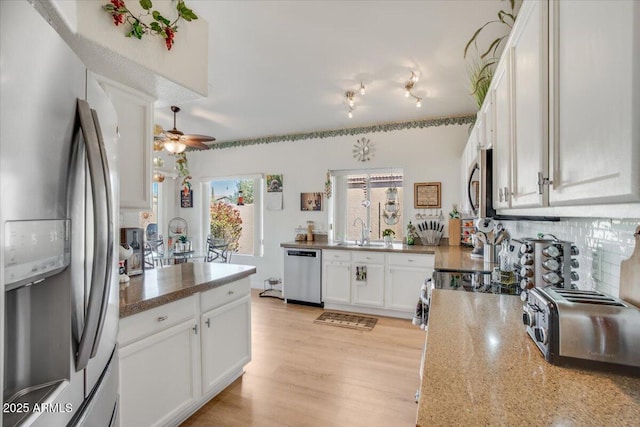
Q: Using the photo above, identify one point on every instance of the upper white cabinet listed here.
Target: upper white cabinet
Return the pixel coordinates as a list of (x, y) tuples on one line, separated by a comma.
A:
[(135, 126), (529, 88), (595, 88), (564, 110), (501, 93)]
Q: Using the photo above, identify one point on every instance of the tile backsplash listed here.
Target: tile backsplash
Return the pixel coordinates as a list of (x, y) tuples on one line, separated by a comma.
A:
[(603, 243)]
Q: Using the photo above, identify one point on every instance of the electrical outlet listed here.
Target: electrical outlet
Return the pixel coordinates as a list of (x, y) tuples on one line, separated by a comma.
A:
[(596, 265)]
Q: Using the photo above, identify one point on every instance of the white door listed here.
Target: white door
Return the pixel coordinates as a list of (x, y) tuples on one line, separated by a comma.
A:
[(403, 287), (336, 282), (595, 145), (158, 376), (503, 133), (368, 290), (226, 343), (529, 82)]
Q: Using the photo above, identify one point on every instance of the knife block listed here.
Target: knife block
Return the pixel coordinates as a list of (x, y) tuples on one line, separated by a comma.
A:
[(455, 230)]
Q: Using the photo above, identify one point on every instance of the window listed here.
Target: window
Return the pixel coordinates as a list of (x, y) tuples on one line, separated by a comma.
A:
[(374, 196), (235, 214)]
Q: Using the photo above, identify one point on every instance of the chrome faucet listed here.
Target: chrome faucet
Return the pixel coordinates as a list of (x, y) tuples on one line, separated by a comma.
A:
[(364, 233)]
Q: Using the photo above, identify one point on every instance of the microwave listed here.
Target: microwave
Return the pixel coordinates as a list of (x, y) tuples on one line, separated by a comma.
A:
[(480, 191)]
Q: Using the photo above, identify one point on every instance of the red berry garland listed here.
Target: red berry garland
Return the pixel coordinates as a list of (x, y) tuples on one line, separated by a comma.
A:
[(159, 26)]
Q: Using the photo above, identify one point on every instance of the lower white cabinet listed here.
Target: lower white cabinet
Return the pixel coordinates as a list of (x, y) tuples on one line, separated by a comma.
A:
[(336, 276), (158, 376), (382, 283), (406, 274), (175, 357), (367, 279), (226, 343)]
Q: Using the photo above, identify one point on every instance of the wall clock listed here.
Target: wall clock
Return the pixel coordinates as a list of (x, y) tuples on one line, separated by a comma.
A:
[(363, 150)]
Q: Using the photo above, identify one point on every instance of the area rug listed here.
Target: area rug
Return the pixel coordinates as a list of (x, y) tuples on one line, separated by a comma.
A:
[(353, 321)]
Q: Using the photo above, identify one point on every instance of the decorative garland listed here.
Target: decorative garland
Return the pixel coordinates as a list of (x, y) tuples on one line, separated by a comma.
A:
[(160, 26), (385, 127)]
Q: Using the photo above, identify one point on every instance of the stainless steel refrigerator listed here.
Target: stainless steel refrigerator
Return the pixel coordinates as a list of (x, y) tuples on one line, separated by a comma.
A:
[(58, 227)]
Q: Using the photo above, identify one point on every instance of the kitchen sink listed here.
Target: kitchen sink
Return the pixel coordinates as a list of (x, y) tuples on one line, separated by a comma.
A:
[(368, 245)]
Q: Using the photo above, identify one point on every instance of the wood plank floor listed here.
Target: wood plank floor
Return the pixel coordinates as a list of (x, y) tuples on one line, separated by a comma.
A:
[(305, 374)]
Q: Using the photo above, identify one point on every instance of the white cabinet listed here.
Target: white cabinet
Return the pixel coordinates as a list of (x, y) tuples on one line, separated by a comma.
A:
[(226, 343), (135, 126), (487, 124), (406, 274), (392, 283), (468, 161), (501, 94), (529, 84), (336, 276), (159, 374), (175, 357), (367, 279), (595, 86)]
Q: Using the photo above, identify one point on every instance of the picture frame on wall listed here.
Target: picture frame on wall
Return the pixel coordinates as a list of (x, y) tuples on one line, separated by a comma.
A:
[(186, 199), (311, 201), (426, 195)]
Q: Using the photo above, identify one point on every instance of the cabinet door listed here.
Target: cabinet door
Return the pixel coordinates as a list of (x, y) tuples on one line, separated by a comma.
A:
[(468, 160), (501, 92), (226, 343), (403, 287), (368, 286), (486, 139), (336, 282), (158, 376), (135, 125), (595, 145), (529, 83)]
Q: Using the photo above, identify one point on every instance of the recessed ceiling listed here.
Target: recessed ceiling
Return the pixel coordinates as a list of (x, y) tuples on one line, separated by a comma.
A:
[(282, 67)]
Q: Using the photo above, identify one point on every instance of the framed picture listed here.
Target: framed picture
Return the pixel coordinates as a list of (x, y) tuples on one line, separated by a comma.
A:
[(426, 195), (310, 201), (274, 183), (186, 199)]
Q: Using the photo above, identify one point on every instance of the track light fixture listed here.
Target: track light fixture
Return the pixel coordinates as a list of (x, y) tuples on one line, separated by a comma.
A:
[(409, 86), (349, 99)]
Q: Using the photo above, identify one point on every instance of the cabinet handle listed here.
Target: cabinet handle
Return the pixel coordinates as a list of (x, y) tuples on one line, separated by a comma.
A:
[(162, 318), (195, 329), (500, 194), (506, 193), (230, 293), (410, 260), (208, 322), (542, 181)]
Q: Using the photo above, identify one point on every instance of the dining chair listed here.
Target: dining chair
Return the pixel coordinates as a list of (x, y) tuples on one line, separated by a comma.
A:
[(217, 250)]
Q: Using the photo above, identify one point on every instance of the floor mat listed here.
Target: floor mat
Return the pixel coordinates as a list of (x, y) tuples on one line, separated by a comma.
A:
[(353, 321)]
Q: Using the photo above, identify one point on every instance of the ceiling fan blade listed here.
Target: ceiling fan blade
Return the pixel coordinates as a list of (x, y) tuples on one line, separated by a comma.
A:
[(194, 143), (201, 138)]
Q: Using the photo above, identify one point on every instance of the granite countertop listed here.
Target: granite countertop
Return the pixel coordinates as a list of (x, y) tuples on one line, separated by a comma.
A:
[(448, 258), (160, 286), (493, 373)]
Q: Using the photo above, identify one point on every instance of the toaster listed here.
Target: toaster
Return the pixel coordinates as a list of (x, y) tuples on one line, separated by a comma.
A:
[(584, 328)]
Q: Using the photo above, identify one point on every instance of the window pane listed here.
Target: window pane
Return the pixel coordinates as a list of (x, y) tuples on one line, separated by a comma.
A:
[(232, 213)]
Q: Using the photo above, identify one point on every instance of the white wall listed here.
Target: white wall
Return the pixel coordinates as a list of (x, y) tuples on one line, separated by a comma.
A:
[(425, 155)]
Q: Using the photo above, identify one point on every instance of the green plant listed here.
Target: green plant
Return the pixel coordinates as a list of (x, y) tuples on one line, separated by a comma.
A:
[(507, 18), (182, 239), (388, 232), (480, 70), (226, 223), (160, 25)]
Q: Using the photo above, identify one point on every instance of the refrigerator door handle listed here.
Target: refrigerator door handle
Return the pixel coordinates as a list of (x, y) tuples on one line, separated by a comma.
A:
[(102, 237), (110, 234)]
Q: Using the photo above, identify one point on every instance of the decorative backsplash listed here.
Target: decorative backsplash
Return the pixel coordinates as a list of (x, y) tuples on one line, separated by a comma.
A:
[(603, 244)]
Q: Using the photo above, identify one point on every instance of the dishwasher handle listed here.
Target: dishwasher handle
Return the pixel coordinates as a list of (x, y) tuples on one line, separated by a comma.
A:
[(311, 254)]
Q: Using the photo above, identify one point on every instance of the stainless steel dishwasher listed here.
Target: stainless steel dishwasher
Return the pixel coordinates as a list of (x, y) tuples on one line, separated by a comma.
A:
[(303, 276)]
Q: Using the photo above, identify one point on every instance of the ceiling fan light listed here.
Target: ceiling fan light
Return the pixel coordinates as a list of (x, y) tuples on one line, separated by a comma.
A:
[(419, 102), (158, 177), (362, 92), (174, 146)]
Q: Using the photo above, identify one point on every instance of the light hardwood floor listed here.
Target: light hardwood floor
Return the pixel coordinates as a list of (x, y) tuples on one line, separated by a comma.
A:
[(305, 374)]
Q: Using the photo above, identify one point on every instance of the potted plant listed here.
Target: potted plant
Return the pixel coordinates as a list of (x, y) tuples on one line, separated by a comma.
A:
[(388, 235), (182, 245)]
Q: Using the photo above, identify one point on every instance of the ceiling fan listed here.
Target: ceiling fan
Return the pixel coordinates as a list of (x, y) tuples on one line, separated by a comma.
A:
[(175, 141)]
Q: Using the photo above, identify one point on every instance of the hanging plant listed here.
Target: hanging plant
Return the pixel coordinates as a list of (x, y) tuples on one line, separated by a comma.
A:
[(183, 171), (160, 26)]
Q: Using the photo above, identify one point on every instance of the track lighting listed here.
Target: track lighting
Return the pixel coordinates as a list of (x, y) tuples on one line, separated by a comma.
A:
[(409, 86), (349, 99)]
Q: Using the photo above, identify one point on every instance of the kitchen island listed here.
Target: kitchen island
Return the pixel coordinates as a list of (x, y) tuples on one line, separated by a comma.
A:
[(185, 335), (481, 368)]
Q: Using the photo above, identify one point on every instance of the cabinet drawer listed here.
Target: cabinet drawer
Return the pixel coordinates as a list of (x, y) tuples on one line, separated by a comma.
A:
[(224, 294), (412, 260), (138, 326), (329, 255), (368, 257)]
